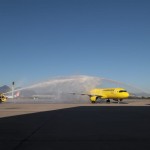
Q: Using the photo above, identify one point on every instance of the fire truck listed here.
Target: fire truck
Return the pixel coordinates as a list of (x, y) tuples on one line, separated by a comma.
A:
[(3, 98)]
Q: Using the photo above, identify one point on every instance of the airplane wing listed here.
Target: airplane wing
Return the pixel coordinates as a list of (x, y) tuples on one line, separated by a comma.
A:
[(86, 94), (80, 94)]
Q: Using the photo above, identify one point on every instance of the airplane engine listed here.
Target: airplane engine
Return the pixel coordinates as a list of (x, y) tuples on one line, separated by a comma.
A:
[(93, 99)]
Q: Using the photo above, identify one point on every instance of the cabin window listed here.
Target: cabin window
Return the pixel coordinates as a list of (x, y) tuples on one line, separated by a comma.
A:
[(122, 91)]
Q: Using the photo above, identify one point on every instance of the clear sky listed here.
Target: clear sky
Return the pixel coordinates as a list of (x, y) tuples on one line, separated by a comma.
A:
[(40, 39)]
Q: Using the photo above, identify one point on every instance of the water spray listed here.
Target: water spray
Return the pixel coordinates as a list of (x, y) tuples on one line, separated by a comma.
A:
[(59, 88)]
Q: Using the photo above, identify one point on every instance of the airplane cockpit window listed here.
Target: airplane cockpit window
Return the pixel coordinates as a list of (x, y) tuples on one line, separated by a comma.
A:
[(122, 91)]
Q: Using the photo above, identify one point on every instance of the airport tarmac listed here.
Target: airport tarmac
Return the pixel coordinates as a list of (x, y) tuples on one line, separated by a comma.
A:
[(55, 126)]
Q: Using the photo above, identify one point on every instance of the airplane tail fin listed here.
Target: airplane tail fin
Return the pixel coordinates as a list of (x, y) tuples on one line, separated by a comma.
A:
[(17, 94)]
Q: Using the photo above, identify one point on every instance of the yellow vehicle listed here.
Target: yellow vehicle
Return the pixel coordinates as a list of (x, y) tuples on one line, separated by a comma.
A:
[(117, 94), (3, 98)]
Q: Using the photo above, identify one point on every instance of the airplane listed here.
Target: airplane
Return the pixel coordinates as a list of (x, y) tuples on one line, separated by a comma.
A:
[(17, 94), (117, 94)]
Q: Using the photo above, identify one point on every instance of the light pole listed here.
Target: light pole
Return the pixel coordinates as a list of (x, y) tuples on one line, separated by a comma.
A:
[(13, 84)]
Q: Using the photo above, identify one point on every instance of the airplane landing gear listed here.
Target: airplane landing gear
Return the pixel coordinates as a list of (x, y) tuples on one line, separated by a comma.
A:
[(108, 101), (119, 100)]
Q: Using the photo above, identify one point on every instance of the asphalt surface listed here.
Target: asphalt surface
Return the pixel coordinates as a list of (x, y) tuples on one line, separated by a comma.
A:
[(122, 126)]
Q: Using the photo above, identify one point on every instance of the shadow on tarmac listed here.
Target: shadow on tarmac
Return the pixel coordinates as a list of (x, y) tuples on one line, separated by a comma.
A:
[(85, 127)]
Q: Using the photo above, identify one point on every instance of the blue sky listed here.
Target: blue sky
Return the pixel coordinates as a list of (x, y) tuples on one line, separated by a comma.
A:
[(40, 39)]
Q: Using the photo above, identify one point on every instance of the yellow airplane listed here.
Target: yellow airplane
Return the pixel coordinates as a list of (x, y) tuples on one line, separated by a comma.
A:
[(117, 94)]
